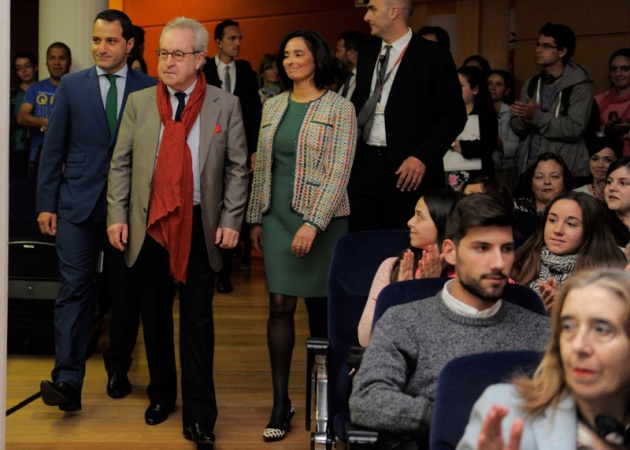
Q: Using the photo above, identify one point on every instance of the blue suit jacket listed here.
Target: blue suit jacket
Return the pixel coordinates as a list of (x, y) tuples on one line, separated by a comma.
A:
[(556, 428), (78, 146)]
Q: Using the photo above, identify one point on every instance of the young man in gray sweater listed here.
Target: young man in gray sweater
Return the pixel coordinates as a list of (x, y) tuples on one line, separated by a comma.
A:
[(395, 387)]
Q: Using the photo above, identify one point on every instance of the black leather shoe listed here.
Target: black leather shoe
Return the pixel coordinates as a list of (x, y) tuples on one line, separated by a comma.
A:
[(203, 437), (61, 394), (118, 385), (224, 286), (156, 413)]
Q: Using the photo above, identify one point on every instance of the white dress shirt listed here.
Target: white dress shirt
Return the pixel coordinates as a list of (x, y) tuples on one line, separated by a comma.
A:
[(221, 71), (465, 310), (378, 133), (353, 84), (104, 84), (192, 139)]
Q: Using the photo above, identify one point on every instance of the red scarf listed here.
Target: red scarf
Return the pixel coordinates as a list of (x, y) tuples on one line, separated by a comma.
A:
[(170, 213)]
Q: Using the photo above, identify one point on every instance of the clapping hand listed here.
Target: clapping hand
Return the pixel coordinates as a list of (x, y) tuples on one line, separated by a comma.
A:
[(405, 269), (548, 291), (430, 266), (525, 110), (491, 436)]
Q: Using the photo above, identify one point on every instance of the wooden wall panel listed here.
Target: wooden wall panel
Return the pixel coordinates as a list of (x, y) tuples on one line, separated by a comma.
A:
[(24, 32), (601, 27), (264, 22), (495, 31), (468, 29), (585, 17)]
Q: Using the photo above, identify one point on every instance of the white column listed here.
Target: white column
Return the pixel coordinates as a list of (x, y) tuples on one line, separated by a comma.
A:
[(5, 87), (70, 22)]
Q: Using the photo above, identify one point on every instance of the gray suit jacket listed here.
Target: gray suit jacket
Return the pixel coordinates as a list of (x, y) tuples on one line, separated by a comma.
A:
[(555, 429), (222, 165)]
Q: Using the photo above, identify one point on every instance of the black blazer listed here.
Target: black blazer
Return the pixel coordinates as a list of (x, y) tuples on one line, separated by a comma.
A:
[(424, 112), (246, 89)]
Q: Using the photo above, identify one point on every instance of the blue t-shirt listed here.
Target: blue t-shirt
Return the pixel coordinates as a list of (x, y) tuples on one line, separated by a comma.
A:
[(41, 95)]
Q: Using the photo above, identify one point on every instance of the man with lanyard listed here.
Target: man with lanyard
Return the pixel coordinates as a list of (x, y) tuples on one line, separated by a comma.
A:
[(410, 110)]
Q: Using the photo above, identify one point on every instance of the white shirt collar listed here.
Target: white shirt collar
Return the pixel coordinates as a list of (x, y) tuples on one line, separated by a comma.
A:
[(122, 73), (220, 64), (401, 43), (187, 91), (461, 308)]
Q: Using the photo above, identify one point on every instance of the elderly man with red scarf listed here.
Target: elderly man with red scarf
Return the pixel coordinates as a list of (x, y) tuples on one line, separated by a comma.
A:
[(176, 196)]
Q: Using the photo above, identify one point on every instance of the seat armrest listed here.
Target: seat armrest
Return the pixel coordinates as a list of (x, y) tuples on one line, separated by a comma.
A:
[(317, 345), (316, 380), (360, 438)]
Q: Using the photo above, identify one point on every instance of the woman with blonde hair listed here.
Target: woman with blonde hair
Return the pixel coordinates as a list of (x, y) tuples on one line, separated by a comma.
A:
[(579, 396)]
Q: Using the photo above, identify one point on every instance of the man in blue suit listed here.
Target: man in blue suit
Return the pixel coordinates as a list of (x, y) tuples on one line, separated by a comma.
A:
[(71, 204)]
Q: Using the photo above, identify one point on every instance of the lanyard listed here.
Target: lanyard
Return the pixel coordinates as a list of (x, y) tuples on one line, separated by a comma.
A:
[(393, 67)]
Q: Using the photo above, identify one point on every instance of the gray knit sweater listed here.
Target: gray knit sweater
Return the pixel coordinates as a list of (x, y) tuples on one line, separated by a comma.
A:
[(395, 387)]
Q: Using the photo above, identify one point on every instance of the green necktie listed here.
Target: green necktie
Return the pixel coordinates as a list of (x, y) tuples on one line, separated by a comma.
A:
[(111, 104)]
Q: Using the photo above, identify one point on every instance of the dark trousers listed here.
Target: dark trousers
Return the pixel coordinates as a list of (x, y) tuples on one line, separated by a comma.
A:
[(375, 202), (125, 312), (156, 291), (78, 247)]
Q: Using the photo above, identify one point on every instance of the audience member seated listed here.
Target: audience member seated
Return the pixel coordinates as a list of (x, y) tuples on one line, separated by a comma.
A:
[(471, 153), (543, 181), (617, 190), (578, 397), (479, 62), (602, 151), (422, 260), (436, 34), (394, 390), (269, 81), (614, 105), (501, 87), (575, 235), (490, 186)]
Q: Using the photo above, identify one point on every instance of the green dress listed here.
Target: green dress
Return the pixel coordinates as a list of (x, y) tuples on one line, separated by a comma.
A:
[(287, 274)]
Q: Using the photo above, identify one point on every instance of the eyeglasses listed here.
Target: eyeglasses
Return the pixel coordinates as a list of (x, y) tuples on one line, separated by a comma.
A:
[(544, 45), (177, 56)]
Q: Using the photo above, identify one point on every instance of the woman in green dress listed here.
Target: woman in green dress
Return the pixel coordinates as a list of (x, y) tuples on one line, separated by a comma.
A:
[(299, 203)]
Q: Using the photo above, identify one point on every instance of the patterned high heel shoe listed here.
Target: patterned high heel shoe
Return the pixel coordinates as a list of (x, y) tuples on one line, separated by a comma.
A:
[(277, 433)]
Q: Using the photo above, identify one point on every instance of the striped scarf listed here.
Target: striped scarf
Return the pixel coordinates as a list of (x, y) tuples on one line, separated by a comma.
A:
[(555, 266)]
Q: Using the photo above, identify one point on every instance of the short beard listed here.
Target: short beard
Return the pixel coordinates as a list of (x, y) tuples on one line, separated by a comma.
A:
[(473, 286)]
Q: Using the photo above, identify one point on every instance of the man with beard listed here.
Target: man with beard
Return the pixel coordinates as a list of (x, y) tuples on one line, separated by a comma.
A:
[(394, 389)]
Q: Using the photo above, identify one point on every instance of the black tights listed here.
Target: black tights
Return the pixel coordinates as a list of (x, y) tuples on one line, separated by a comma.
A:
[(280, 341)]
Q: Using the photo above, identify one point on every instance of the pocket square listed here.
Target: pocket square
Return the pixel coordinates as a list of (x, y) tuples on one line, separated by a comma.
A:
[(217, 129)]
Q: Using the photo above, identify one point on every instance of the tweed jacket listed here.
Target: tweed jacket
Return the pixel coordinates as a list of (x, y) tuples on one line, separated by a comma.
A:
[(324, 154)]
